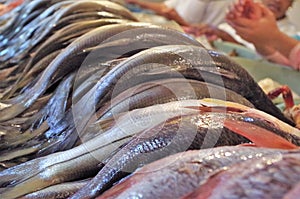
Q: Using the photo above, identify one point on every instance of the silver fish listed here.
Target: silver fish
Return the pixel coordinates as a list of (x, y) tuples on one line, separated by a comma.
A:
[(179, 174), (269, 177)]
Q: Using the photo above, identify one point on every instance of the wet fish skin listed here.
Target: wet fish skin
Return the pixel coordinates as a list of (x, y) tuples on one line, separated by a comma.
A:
[(190, 62), (120, 44), (20, 14), (163, 91), (18, 178), (43, 172), (35, 70), (38, 32), (101, 5), (55, 41), (87, 40), (60, 191), (77, 17), (160, 32), (35, 135), (294, 193), (26, 10), (87, 84), (20, 44), (177, 175), (175, 135), (269, 177)]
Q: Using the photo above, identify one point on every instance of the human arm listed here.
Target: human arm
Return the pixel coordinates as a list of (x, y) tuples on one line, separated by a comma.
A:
[(161, 9), (263, 33)]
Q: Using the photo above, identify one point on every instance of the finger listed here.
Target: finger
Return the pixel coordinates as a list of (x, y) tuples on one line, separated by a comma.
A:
[(242, 22), (266, 11), (232, 12)]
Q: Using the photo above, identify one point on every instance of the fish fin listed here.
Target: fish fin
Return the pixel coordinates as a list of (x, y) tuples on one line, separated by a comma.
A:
[(259, 136)]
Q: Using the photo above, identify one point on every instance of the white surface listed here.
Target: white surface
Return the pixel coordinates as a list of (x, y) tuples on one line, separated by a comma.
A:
[(196, 11), (294, 14)]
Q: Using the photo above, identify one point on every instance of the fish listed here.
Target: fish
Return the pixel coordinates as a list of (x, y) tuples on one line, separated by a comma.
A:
[(22, 102), (83, 160), (32, 133), (48, 172), (58, 39), (59, 191), (195, 131), (20, 43), (180, 174), (36, 30), (25, 79), (55, 130), (9, 11), (175, 135), (126, 42), (20, 19), (78, 17), (16, 180), (269, 177), (293, 193), (190, 62), (10, 6), (163, 91)]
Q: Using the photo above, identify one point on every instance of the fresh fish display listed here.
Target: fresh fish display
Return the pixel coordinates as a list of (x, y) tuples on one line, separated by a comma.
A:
[(183, 172), (88, 155), (63, 190), (270, 177), (95, 103), (159, 92), (187, 132)]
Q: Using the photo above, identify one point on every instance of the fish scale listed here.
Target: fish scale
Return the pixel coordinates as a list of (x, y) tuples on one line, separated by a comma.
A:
[(269, 177), (22, 102), (183, 172)]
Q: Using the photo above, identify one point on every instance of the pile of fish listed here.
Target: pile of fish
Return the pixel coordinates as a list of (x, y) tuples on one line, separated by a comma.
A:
[(95, 103)]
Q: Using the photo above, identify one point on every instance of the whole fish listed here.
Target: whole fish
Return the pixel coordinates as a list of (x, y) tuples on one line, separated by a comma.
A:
[(180, 61), (31, 37), (195, 131), (163, 33), (122, 44), (177, 175), (269, 177), (83, 160), (22, 102), (163, 91)]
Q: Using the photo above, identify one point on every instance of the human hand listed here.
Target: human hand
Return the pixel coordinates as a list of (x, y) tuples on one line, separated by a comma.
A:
[(255, 30), (244, 8), (195, 29), (201, 29)]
